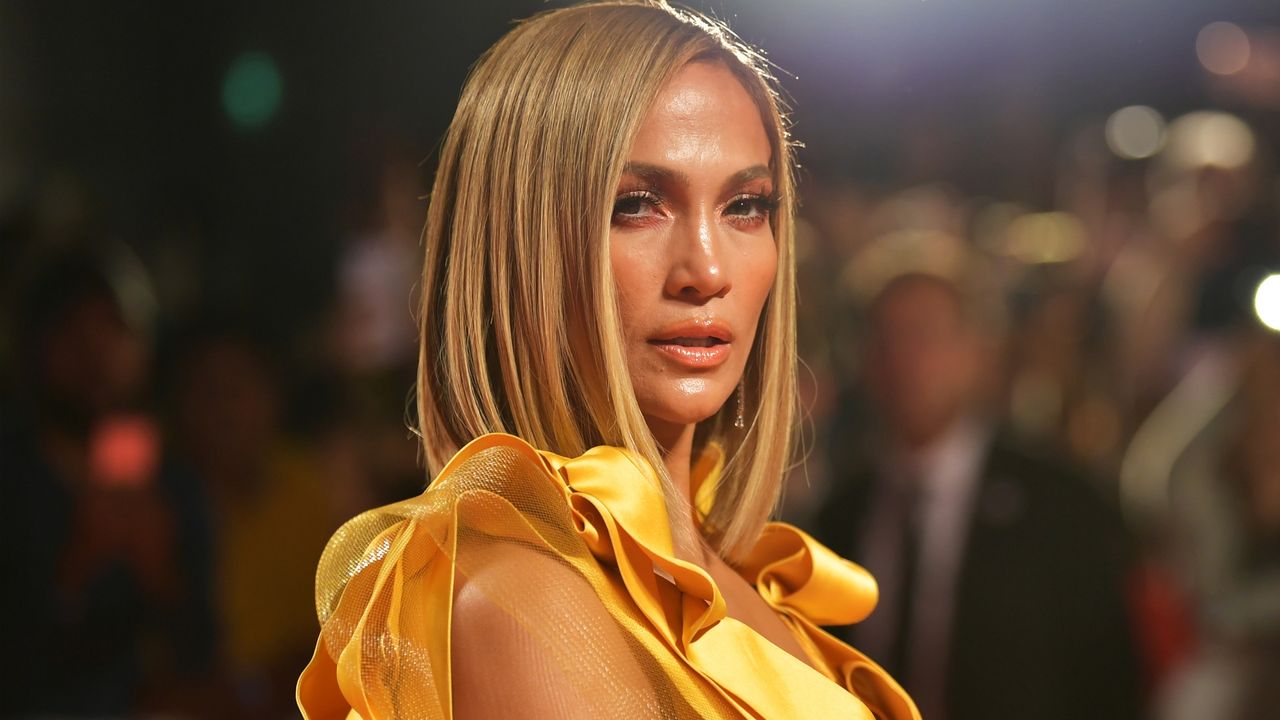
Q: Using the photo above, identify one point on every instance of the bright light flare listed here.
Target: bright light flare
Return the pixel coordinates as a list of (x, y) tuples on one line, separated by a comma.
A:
[(1266, 302)]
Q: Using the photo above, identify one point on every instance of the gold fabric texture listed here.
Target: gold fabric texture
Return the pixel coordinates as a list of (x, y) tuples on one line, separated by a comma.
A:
[(575, 556)]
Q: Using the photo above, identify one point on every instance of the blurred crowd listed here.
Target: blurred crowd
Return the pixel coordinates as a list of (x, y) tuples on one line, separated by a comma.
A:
[(169, 478), (1041, 388), (1050, 431)]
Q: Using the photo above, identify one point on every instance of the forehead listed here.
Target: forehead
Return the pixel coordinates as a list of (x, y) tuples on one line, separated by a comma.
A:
[(704, 117)]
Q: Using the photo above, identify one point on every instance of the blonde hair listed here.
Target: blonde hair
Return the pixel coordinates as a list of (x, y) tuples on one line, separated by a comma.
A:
[(518, 326)]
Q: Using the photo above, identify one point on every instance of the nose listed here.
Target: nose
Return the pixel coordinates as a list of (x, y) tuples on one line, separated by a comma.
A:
[(698, 269)]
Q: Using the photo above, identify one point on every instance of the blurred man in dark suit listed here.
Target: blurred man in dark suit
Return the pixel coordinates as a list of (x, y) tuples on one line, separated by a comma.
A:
[(1001, 571)]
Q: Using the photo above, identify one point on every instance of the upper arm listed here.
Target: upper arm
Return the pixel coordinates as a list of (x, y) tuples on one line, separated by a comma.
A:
[(498, 669), (532, 638)]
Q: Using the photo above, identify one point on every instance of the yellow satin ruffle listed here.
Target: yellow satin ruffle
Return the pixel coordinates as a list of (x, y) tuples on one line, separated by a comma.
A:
[(386, 582)]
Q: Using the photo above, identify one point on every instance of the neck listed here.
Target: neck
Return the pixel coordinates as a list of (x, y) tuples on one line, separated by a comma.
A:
[(676, 443)]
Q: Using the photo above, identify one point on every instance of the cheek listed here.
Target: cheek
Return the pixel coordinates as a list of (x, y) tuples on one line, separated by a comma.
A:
[(633, 260), (759, 268)]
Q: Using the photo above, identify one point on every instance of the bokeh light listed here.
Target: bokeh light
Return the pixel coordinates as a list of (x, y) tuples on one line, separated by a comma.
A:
[(124, 452), (1045, 238), (1210, 139), (252, 90), (1223, 48), (1112, 260), (1135, 132), (1266, 302)]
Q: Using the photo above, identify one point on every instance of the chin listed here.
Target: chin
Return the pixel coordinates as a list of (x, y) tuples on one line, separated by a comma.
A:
[(687, 402)]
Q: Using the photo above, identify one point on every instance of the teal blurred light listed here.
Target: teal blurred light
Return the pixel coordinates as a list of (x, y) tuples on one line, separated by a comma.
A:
[(252, 90)]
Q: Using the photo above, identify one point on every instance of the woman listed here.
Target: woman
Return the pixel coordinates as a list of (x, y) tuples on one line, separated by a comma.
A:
[(609, 278)]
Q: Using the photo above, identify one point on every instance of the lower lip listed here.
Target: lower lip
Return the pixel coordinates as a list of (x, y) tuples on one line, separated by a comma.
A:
[(695, 357)]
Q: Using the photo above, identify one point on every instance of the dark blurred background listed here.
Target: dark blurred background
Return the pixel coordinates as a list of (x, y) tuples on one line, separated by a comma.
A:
[(1038, 316)]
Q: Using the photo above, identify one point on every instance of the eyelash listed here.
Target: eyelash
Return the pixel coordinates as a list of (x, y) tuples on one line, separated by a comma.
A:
[(643, 195), (765, 205)]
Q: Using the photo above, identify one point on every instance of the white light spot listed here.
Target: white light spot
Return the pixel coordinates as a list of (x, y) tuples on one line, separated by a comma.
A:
[(1266, 302)]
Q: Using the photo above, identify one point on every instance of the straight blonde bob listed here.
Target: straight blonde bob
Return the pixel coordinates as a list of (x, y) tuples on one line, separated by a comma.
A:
[(519, 328)]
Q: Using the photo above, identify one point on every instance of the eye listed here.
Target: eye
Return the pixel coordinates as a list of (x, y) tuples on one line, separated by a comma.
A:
[(635, 206), (752, 207)]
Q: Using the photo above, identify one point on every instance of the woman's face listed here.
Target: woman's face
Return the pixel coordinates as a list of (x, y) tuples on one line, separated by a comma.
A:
[(691, 245)]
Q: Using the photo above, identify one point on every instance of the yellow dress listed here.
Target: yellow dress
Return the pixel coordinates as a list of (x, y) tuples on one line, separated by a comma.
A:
[(577, 552)]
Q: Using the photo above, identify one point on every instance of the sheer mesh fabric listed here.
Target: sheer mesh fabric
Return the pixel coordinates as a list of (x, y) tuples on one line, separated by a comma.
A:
[(514, 541), (500, 546)]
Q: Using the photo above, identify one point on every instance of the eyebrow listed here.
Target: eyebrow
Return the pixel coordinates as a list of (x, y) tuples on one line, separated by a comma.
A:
[(658, 174), (755, 172)]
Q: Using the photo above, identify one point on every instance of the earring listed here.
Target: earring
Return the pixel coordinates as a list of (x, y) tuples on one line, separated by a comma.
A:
[(739, 421)]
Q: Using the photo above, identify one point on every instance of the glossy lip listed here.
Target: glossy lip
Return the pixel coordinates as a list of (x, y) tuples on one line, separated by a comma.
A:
[(695, 357)]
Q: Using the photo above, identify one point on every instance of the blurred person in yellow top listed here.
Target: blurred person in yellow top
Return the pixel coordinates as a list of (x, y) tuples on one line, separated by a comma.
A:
[(269, 506), (606, 396)]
